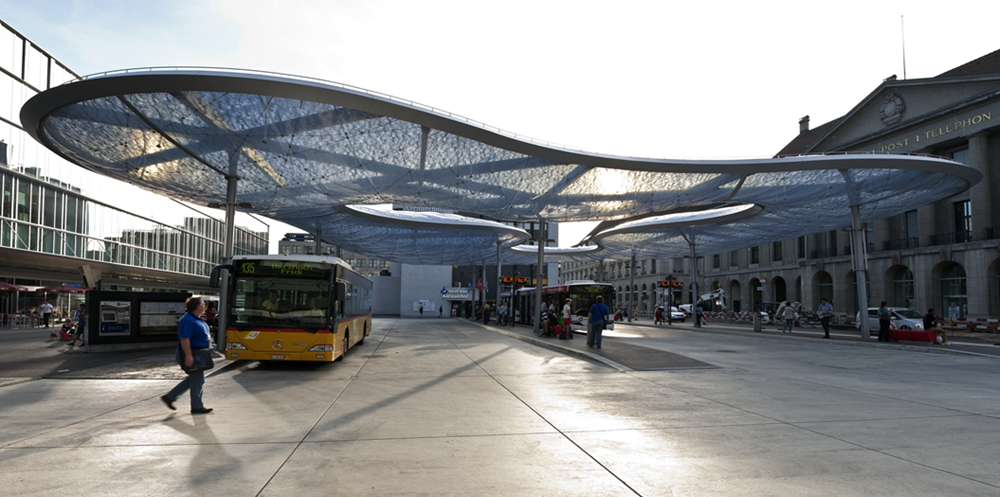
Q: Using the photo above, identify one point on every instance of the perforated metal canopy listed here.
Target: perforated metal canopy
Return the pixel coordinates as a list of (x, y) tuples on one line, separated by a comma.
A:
[(304, 149)]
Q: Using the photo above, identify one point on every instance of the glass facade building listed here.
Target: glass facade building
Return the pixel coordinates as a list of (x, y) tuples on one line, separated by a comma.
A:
[(56, 217)]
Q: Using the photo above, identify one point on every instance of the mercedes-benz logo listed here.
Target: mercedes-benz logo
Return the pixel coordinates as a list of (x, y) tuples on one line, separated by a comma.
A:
[(277, 345)]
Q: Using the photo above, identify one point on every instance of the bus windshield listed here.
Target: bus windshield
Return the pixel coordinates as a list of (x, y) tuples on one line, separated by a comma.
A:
[(275, 295)]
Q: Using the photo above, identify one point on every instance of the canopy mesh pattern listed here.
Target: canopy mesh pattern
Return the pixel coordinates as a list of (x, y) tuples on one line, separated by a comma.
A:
[(303, 149)]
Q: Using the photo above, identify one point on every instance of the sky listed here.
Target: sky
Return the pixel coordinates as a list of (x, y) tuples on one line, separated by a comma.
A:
[(658, 79)]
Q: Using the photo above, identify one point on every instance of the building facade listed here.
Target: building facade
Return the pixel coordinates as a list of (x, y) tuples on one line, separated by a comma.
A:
[(305, 243), (945, 255)]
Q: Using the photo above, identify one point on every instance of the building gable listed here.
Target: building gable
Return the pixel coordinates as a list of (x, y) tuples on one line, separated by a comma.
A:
[(897, 107)]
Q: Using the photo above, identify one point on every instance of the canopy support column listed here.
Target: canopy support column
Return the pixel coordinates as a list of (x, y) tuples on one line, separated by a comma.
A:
[(231, 181), (859, 259), (499, 273), (631, 288), (694, 282), (542, 236)]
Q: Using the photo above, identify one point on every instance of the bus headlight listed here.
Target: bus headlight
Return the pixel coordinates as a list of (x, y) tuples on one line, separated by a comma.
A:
[(235, 346), (321, 348)]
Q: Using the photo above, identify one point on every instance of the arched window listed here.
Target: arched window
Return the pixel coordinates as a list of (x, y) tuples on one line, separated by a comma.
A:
[(902, 289), (826, 287), (954, 295), (780, 293)]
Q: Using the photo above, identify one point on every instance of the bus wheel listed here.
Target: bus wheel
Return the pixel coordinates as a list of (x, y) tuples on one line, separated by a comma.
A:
[(347, 333)]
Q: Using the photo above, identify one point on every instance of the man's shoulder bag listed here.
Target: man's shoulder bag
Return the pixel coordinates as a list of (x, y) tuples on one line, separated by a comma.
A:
[(202, 361)]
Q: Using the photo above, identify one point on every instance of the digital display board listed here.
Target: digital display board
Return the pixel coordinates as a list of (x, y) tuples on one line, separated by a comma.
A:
[(282, 269)]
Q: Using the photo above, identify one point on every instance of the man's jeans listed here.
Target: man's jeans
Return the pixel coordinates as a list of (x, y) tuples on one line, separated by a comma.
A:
[(596, 330), (195, 382)]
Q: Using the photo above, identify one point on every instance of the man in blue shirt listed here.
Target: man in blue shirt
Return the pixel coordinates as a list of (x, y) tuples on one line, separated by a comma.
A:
[(192, 334), (825, 311), (596, 316)]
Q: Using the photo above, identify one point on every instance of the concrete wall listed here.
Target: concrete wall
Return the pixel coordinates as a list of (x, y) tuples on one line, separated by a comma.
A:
[(420, 283), (385, 295)]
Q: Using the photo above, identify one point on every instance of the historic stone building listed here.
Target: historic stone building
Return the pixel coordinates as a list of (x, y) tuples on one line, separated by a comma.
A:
[(945, 255)]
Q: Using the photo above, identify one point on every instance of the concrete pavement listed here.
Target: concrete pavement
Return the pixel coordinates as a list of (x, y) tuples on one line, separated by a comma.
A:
[(450, 407)]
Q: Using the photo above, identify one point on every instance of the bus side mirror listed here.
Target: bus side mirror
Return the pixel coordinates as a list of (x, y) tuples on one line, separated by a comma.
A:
[(213, 279), (341, 291)]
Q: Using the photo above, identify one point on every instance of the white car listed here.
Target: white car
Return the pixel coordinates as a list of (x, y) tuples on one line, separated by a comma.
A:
[(902, 319), (677, 315)]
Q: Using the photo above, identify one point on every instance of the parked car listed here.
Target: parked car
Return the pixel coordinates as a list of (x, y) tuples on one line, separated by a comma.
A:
[(902, 318), (677, 315)]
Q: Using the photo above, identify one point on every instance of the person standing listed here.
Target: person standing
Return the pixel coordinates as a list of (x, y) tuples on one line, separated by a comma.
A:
[(789, 314), (192, 335), (421, 311), (568, 318), (46, 313), (596, 318), (825, 312), (440, 311), (930, 324), (884, 320)]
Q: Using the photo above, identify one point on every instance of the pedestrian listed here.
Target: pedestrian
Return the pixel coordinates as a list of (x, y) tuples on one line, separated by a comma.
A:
[(825, 311), (884, 320), (596, 319), (486, 314), (789, 314), (46, 313), (81, 326), (568, 318), (440, 311), (930, 324), (421, 311), (698, 315), (192, 335), (658, 316), (211, 315)]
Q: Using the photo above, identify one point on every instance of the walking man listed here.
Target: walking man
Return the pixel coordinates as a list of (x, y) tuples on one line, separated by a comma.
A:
[(825, 311), (192, 335)]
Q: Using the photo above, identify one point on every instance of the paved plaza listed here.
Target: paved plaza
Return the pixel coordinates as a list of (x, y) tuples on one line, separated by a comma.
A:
[(451, 407)]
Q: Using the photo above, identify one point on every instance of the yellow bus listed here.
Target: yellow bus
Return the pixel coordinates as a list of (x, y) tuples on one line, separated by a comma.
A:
[(296, 308)]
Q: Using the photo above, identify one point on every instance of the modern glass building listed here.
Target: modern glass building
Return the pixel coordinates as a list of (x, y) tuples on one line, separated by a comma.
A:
[(58, 219)]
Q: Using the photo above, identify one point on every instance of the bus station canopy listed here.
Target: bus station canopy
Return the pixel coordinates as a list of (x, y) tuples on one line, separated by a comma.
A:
[(308, 153)]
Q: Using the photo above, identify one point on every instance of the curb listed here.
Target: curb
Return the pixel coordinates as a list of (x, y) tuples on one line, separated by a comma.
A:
[(892, 346), (556, 347)]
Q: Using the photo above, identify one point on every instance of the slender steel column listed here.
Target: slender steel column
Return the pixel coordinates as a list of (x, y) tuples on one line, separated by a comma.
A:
[(631, 288), (694, 281), (542, 236), (499, 272), (859, 259), (231, 180)]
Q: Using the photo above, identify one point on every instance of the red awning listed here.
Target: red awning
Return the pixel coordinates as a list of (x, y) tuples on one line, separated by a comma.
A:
[(7, 287)]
